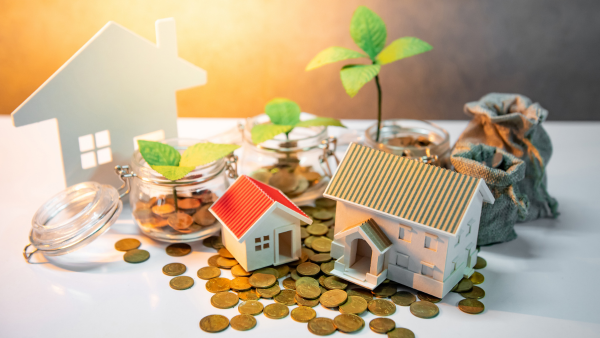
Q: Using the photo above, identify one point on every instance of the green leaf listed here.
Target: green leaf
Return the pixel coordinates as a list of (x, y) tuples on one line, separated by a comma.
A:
[(265, 132), (204, 153), (172, 173), (157, 153), (356, 76), (283, 112), (333, 54), (368, 31), (403, 48), (320, 121)]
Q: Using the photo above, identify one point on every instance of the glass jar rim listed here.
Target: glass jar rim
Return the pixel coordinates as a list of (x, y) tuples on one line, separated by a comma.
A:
[(372, 130)]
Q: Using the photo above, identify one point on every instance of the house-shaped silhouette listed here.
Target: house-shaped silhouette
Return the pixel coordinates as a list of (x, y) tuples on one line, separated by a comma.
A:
[(117, 88), (404, 220)]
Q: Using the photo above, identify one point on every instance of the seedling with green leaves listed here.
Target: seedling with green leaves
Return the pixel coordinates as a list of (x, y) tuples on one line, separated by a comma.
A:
[(369, 33), (285, 116)]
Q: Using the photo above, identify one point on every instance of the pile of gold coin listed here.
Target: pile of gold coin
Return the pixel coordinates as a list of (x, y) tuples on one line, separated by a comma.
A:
[(288, 176), (410, 141), (132, 253)]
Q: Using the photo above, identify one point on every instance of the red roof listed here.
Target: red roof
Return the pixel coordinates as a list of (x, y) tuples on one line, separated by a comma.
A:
[(246, 201)]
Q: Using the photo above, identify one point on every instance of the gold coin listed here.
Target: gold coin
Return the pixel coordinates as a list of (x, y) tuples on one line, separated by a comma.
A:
[(251, 307), (309, 240), (289, 283), (323, 290), (322, 244), (181, 283), (464, 285), (306, 302), (326, 268), (212, 261), (207, 242), (424, 309), (174, 269), (475, 293), (382, 325), (163, 210), (401, 333), (284, 180), (218, 284), (276, 311), (307, 251), (214, 323), (240, 284), (226, 263), (303, 233), (127, 244), (262, 280), (322, 280), (385, 290), (363, 293), (308, 288), (308, 269), (404, 298), (268, 271), (320, 258), (303, 314), (180, 221), (243, 322), (381, 307), (348, 323), (208, 272), (471, 306), (269, 292), (178, 249), (330, 233), (317, 229), (223, 252), (323, 202), (477, 278), (224, 300), (286, 297), (248, 295), (354, 305), (238, 271), (188, 203), (136, 256), (481, 263), (321, 326), (303, 184), (429, 298), (294, 274), (335, 283), (323, 215), (217, 243), (333, 298), (282, 271)]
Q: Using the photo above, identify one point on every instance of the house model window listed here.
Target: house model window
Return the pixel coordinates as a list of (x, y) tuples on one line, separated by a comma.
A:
[(402, 260), (427, 269), (431, 242), (262, 243), (405, 233), (90, 157), (458, 234)]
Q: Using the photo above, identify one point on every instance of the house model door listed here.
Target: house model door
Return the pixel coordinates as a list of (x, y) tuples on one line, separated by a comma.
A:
[(285, 244)]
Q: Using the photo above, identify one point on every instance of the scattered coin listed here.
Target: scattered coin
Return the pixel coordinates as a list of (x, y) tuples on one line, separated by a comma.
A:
[(251, 307), (354, 305), (174, 269), (207, 242), (212, 261), (401, 333), (262, 280), (348, 323), (308, 288), (214, 323), (136, 256), (178, 249), (323, 202), (326, 268), (308, 269), (226, 263), (217, 243), (224, 300), (181, 283), (320, 258), (382, 325), (269, 292), (317, 229), (309, 240), (333, 298), (481, 263), (303, 233), (464, 285), (424, 309), (404, 298), (475, 293), (306, 302), (286, 297), (282, 270), (240, 284), (363, 293), (268, 271), (427, 297), (223, 252), (335, 283), (381, 307), (321, 326), (289, 283), (385, 290), (477, 278), (243, 322), (248, 295), (238, 271), (208, 272), (276, 311), (322, 244), (127, 244), (218, 284), (323, 215), (303, 314), (471, 306)]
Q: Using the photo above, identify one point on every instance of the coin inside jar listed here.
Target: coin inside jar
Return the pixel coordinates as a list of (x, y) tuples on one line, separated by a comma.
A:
[(382, 325), (471, 306), (333, 298), (251, 307), (404, 298), (401, 333), (381, 307), (218, 284), (262, 280), (214, 323), (174, 269), (163, 210), (180, 221), (181, 283), (321, 326), (208, 272), (308, 269), (127, 244), (303, 314), (276, 311), (136, 256), (203, 216), (424, 309), (178, 249), (348, 323), (286, 297), (243, 322), (354, 305), (188, 203)]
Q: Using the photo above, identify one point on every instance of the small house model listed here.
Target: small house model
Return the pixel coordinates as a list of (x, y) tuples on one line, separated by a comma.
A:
[(261, 226), (404, 220)]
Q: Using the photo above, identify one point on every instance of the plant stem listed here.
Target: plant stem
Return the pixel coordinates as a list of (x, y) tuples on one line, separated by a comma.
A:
[(175, 198), (378, 107)]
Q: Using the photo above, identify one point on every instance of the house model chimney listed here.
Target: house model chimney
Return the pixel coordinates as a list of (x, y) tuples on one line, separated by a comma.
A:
[(166, 36)]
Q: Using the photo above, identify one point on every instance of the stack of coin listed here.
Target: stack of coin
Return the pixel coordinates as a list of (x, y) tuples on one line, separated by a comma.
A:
[(132, 253), (289, 177)]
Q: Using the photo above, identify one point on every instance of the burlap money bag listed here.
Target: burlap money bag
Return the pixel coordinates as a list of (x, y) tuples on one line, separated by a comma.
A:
[(513, 123), (497, 220)]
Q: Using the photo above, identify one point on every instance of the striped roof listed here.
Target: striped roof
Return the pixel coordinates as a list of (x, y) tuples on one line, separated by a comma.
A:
[(246, 201), (408, 189), (372, 231)]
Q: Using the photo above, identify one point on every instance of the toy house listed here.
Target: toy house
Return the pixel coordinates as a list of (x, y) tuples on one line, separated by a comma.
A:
[(404, 220), (261, 226), (118, 88)]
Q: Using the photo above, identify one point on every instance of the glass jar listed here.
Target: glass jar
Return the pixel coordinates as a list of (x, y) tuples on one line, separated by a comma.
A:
[(300, 165), (177, 211), (415, 139)]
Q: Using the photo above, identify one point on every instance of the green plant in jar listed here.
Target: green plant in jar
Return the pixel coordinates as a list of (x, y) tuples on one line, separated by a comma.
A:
[(369, 32)]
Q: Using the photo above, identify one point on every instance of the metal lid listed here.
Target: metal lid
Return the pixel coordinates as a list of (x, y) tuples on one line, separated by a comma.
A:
[(73, 218)]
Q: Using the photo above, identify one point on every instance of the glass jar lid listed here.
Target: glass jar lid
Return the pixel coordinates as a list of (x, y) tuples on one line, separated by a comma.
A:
[(74, 217)]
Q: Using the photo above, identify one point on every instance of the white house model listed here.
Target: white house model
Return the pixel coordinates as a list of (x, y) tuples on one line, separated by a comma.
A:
[(261, 226), (119, 87), (404, 220)]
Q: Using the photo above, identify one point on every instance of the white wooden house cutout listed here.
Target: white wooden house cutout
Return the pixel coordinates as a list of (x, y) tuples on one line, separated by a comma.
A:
[(119, 87), (404, 220), (261, 226)]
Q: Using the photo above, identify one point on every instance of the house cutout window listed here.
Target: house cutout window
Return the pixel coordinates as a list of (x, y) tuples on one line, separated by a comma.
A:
[(427, 269), (458, 238), (89, 143), (470, 226), (455, 263), (264, 241), (405, 233), (431, 242), (266, 246), (257, 240), (257, 248), (402, 260)]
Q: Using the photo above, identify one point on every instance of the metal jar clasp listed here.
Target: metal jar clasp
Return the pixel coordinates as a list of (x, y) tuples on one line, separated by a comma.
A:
[(329, 147)]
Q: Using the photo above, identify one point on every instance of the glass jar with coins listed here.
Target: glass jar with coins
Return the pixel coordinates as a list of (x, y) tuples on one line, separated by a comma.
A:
[(177, 211), (415, 139), (299, 164)]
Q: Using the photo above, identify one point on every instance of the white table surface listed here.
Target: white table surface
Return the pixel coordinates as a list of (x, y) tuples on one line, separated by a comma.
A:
[(543, 284)]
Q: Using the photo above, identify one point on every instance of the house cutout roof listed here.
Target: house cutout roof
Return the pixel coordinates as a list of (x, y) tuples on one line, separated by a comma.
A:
[(246, 201), (372, 233), (404, 188)]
